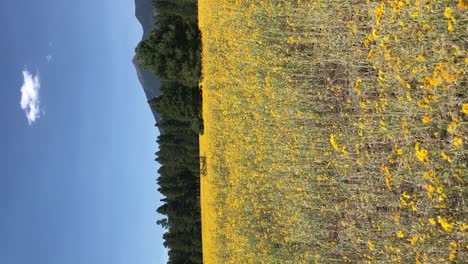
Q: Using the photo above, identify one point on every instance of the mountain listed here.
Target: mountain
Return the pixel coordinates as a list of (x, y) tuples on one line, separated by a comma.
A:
[(152, 86)]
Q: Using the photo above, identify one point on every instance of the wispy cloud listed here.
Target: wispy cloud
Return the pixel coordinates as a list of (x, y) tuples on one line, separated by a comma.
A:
[(48, 58), (30, 96)]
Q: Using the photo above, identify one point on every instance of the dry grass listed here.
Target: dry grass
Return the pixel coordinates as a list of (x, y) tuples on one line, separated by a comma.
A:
[(335, 131)]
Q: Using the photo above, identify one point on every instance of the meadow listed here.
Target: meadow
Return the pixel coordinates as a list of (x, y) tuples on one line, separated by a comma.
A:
[(334, 131)]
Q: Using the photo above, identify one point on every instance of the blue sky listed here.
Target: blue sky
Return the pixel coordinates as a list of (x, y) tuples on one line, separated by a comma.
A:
[(77, 182)]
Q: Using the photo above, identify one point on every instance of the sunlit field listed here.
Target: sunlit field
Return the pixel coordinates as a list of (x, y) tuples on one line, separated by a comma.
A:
[(334, 131)]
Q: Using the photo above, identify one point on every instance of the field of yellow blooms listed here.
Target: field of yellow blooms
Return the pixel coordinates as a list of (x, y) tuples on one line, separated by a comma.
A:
[(334, 131)]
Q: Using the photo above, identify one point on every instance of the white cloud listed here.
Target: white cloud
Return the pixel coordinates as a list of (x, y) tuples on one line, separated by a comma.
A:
[(30, 96), (48, 58)]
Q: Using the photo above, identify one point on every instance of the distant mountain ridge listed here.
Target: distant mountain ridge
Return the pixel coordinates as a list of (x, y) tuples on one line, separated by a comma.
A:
[(144, 12)]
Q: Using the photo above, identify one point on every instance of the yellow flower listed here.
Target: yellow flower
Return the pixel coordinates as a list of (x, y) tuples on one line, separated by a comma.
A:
[(400, 234), (379, 11), (449, 78), (371, 245), (432, 221), (388, 176), (463, 227), (453, 250), (357, 87), (417, 261), (447, 226), (430, 190), (451, 128), (450, 26), (426, 119), (462, 4), (457, 142), (446, 157), (420, 58), (448, 13), (406, 195), (413, 240), (465, 109), (333, 142), (434, 81), (421, 153)]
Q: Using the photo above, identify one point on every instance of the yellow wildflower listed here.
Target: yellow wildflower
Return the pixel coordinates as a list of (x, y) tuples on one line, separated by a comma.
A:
[(430, 190), (465, 109), (453, 250), (417, 261), (463, 227), (379, 11), (406, 195), (449, 78), (400, 234), (447, 226), (408, 96), (413, 240), (382, 125), (420, 58), (427, 27), (434, 81), (371, 245), (421, 153), (458, 142), (404, 124), (448, 13), (357, 87), (451, 128), (388, 176), (396, 217), (432, 221), (462, 4), (362, 105), (450, 26), (426, 119), (333, 142), (446, 157), (442, 195)]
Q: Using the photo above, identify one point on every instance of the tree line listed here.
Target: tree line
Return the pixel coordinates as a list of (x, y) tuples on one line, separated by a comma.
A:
[(172, 53)]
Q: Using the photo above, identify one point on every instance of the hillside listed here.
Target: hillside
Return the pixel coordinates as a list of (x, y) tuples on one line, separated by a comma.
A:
[(152, 86)]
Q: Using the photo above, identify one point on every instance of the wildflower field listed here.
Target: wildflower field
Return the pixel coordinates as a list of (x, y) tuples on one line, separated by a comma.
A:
[(334, 131)]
